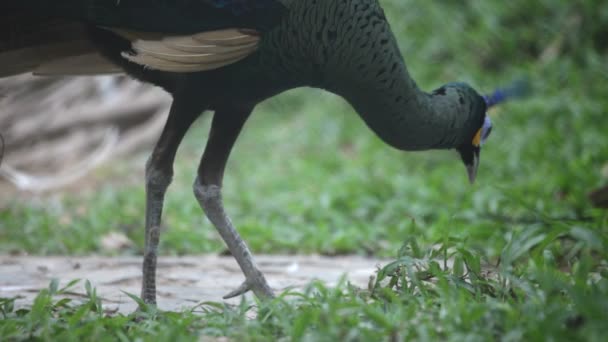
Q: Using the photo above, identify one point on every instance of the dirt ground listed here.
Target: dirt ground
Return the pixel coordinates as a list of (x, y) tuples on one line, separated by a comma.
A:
[(182, 281)]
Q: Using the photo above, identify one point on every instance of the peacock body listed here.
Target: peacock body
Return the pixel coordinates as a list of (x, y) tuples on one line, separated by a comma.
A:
[(227, 56)]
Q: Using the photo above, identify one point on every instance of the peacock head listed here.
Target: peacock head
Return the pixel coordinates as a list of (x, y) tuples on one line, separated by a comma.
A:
[(470, 152)]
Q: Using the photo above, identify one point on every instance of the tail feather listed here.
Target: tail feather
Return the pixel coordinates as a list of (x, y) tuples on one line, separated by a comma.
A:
[(75, 9), (31, 41)]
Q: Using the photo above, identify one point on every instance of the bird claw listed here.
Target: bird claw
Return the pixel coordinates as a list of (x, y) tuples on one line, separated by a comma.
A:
[(242, 289)]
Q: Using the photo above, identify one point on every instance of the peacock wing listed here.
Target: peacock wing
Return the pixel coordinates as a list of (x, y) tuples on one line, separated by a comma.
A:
[(51, 38), (190, 53)]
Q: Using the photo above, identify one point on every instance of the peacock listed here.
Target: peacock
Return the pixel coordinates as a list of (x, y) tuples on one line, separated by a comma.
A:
[(226, 56)]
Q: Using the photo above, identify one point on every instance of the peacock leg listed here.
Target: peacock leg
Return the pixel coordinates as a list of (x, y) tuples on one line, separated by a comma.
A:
[(159, 173), (225, 128)]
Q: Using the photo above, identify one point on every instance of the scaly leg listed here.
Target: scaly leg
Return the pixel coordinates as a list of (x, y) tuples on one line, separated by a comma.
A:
[(226, 126), (159, 173)]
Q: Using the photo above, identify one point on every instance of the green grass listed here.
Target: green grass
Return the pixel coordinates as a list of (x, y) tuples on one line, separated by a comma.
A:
[(307, 176), (525, 297)]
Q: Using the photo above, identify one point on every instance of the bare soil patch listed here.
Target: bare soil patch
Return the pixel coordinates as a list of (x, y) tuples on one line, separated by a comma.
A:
[(182, 281)]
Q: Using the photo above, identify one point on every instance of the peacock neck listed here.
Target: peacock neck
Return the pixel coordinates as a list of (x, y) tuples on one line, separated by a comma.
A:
[(365, 66), (408, 118), (347, 47)]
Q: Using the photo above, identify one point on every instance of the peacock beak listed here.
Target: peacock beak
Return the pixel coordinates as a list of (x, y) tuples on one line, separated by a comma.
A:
[(470, 153), (470, 157), (472, 167)]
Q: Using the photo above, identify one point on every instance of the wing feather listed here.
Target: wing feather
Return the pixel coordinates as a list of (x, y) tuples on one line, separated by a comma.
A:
[(179, 67), (190, 53), (228, 37)]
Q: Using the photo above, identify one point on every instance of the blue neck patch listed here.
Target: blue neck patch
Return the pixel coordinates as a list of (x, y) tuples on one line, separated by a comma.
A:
[(486, 129)]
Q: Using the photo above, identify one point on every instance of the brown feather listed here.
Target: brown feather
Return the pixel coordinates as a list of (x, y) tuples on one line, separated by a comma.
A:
[(82, 65), (199, 52), (228, 37), (210, 55), (172, 66), (27, 59), (27, 42)]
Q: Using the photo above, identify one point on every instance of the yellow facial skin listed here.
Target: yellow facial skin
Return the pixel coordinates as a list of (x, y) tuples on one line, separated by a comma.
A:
[(477, 139)]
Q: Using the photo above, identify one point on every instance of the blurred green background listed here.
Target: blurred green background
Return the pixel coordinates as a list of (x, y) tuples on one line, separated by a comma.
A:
[(307, 176)]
